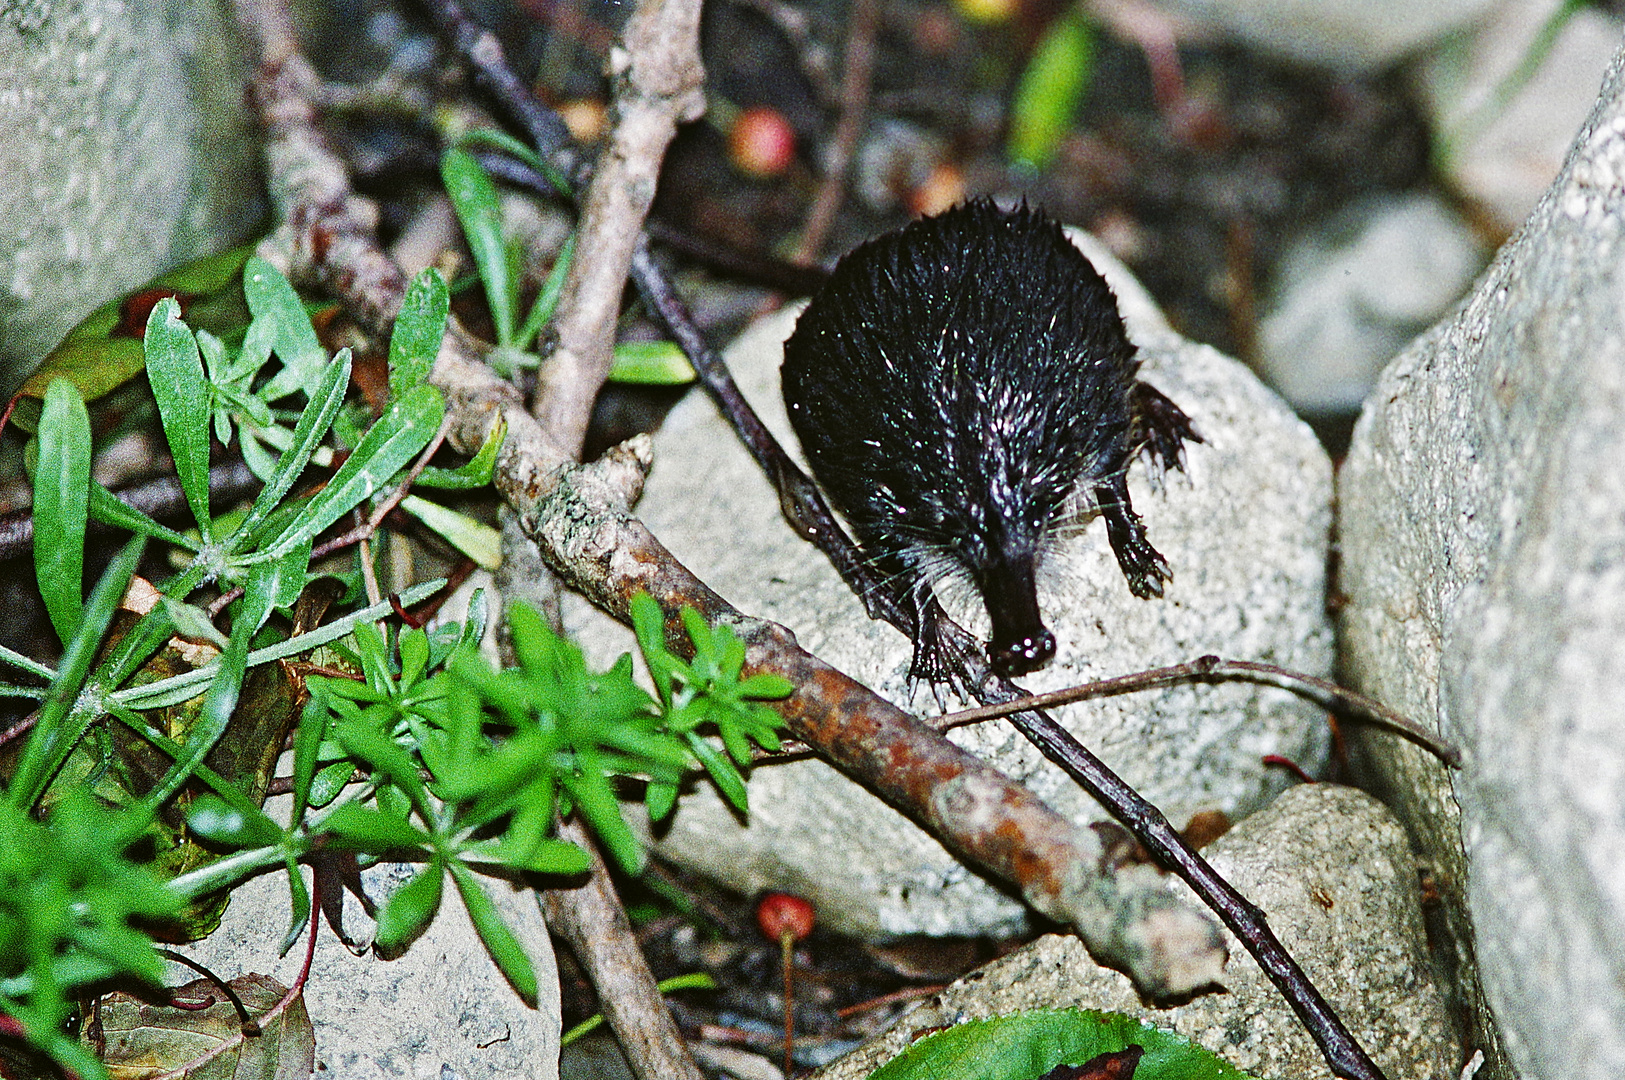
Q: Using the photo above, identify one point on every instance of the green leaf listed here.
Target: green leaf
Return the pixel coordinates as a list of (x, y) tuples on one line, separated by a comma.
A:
[(509, 145), (694, 981), (722, 771), (474, 198), (329, 781), (1050, 90), (414, 649), (214, 819), (224, 688), (1029, 1044), (104, 351), (280, 580), (597, 802), (405, 429), (476, 472), (651, 363), (661, 799), (67, 910), (106, 508), (419, 329), (504, 947), (407, 912), (362, 740), (547, 300), (649, 626), (373, 831), (298, 902), (61, 500), (475, 539), (280, 320), (191, 621), (313, 423), (28, 664), (57, 728), (766, 686), (306, 745), (175, 371)]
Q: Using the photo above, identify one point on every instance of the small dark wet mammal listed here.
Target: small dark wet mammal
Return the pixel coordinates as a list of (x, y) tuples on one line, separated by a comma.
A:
[(963, 389)]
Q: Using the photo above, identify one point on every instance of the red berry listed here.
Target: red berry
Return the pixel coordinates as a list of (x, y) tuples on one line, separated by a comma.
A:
[(780, 915), (761, 142)]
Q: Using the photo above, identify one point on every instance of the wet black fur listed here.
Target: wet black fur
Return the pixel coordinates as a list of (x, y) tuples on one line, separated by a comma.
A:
[(956, 385)]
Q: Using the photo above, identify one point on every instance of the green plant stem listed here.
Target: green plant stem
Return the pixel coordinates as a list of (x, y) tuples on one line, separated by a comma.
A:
[(698, 980), (179, 688)]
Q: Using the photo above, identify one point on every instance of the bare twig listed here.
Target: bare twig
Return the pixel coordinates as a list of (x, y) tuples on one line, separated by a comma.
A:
[(859, 63), (159, 498), (1215, 669), (658, 80), (593, 923)]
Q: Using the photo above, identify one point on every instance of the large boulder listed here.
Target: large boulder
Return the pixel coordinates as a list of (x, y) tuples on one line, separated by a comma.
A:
[(1334, 873), (1483, 533), (127, 148)]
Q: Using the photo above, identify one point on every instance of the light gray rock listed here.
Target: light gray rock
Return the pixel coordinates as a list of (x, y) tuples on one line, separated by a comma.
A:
[(1350, 35), (441, 1005), (1244, 531), (126, 149), (1483, 512), (1502, 154), (1335, 876), (1352, 295)]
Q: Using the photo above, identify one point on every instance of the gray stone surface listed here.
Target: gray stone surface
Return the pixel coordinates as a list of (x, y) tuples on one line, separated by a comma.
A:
[(1502, 154), (1244, 531), (1334, 873), (441, 1005), (126, 149), (1354, 292), (1483, 507), (1351, 35)]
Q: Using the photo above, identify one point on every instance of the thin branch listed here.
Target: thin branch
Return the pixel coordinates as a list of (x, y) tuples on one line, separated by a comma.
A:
[(1215, 669), (658, 84), (859, 62), (591, 920), (548, 133)]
